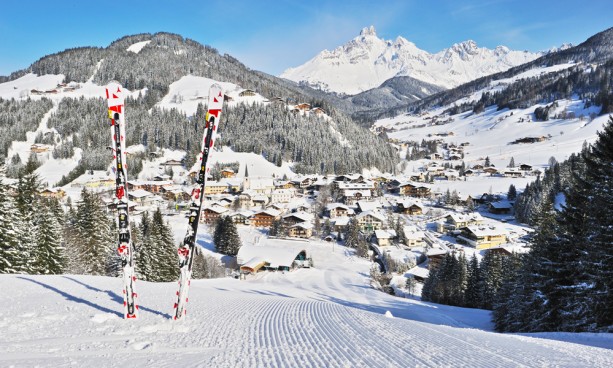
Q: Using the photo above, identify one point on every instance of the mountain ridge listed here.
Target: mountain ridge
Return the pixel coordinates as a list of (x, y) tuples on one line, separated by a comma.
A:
[(367, 61)]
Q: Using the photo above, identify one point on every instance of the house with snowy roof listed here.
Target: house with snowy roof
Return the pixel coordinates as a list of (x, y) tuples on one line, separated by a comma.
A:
[(455, 221), (408, 207), (385, 237), (483, 237), (339, 210), (301, 230), (264, 218), (273, 256), (370, 221)]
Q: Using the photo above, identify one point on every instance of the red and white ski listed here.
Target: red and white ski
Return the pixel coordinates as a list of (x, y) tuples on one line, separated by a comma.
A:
[(125, 248), (187, 248)]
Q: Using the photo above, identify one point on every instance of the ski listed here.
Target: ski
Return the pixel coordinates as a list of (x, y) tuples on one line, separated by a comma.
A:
[(125, 248), (187, 248)]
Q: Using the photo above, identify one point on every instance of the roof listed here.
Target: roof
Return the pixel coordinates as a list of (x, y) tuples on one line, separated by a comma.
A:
[(412, 233), (277, 254), (485, 230), (306, 217), (385, 234), (465, 217), (140, 193), (369, 205), (371, 213)]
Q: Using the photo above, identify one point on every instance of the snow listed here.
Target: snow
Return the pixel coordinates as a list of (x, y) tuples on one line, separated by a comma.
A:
[(189, 91), (135, 48), (323, 316)]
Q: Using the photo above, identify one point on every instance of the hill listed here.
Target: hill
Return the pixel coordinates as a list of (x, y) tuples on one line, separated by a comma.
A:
[(153, 67)]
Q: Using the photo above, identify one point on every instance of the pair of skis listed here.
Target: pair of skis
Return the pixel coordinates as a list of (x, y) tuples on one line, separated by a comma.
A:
[(125, 248)]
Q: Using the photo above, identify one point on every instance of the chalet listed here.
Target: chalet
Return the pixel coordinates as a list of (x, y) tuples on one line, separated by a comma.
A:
[(53, 193), (435, 257), (283, 184), (409, 207), (364, 206), (39, 148), (500, 208), (482, 237), (272, 256), (302, 183), (277, 101), (370, 221), (264, 218), (513, 173), (277, 207), (412, 190), (420, 177), (455, 221), (300, 230), (282, 195), (297, 218), (502, 250), (247, 93), (259, 200), (451, 175), (351, 196), (478, 167), (413, 236), (101, 183), (241, 218), (525, 167), (227, 173), (210, 214), (469, 172), (140, 197), (340, 224), (490, 170), (455, 157), (385, 237), (434, 156), (338, 210)]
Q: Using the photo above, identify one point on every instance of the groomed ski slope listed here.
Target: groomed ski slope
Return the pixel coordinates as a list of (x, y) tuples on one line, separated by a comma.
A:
[(322, 317)]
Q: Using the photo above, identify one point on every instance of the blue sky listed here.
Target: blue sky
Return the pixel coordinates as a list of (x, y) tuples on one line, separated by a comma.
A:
[(274, 35)]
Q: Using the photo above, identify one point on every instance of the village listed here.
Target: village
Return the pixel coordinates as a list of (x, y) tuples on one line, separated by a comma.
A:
[(403, 218)]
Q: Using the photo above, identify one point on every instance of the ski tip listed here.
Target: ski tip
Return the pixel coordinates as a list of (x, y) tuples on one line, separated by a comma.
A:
[(130, 316)]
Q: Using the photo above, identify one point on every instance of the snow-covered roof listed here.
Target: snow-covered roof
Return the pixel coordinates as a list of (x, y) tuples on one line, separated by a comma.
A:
[(385, 234), (376, 215), (277, 254), (486, 230), (341, 221), (140, 193)]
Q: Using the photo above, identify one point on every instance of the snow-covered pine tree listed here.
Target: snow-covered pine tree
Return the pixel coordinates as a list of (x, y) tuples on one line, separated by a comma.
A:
[(352, 233), (491, 278), (9, 242), (48, 255), (472, 296), (145, 257), (163, 251), (93, 242)]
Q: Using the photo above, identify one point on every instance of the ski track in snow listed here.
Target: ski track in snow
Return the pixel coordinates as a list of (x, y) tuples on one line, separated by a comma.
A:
[(322, 317)]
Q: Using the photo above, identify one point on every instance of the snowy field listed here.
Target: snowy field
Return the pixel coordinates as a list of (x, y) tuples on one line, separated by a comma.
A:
[(327, 316)]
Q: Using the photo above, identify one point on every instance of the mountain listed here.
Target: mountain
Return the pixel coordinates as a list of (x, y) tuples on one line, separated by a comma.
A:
[(367, 61), (167, 73)]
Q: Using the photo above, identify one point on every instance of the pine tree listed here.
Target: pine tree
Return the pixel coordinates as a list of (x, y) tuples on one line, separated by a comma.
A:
[(93, 242), (511, 163), (48, 255), (352, 233), (226, 238), (163, 251), (9, 242), (512, 193), (491, 278), (472, 295)]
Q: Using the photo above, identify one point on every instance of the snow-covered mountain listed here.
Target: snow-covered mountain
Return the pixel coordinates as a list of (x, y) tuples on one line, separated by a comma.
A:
[(367, 61)]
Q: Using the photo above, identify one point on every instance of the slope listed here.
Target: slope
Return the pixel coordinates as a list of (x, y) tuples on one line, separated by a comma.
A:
[(326, 316)]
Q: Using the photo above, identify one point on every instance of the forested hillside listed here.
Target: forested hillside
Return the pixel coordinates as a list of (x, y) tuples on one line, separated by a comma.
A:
[(164, 60)]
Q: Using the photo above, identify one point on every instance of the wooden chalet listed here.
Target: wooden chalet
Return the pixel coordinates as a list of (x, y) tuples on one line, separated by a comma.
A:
[(264, 218)]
